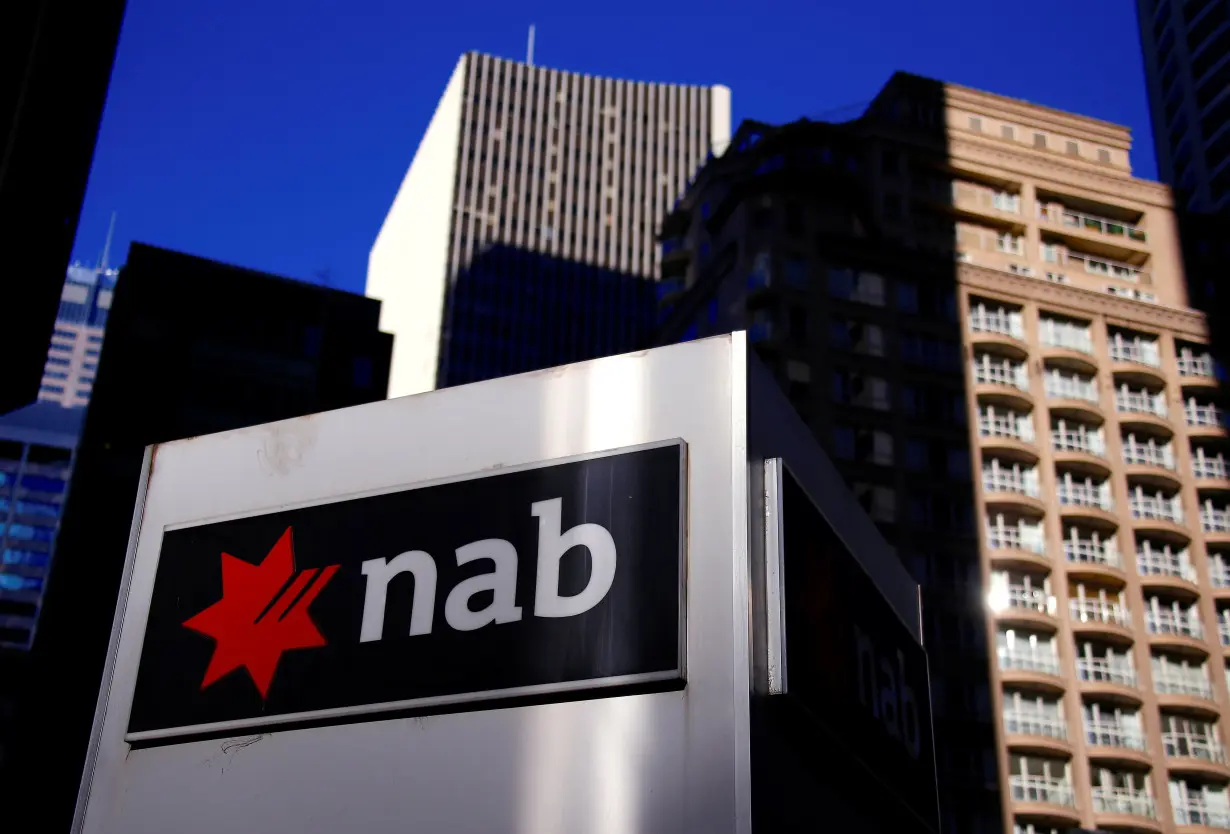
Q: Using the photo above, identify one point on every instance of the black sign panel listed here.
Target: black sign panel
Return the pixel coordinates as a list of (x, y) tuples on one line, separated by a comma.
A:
[(851, 662), (554, 579)]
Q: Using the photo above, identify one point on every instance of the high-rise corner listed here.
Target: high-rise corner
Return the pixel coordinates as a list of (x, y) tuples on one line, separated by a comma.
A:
[(524, 233), (1187, 69), (982, 314)]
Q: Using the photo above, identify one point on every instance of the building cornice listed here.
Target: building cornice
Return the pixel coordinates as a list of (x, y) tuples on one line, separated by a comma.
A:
[(1027, 113), (1065, 298), (1037, 166)]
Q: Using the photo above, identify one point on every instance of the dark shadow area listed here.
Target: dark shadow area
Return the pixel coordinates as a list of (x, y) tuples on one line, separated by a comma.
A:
[(1205, 241), (55, 67), (512, 310), (834, 246), (192, 347)]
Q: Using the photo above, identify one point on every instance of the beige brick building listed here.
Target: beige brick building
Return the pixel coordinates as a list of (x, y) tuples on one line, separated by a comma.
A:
[(1085, 555)]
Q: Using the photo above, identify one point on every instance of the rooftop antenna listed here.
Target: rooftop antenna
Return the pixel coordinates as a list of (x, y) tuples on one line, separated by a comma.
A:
[(529, 52), (106, 253)]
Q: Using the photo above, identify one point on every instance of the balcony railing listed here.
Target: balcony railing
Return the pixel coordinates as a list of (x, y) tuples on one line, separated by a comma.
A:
[(1156, 508), (999, 423), (1194, 812), (1140, 351), (1028, 661), (1035, 723), (1105, 733), (1183, 745), (1041, 789), (1123, 801), (987, 372), (1059, 386), (1092, 223), (1196, 365), (1169, 621), (1152, 562), (1023, 481), (1204, 415), (1105, 266), (1148, 454), (1223, 629), (1213, 520), (1076, 494), (1139, 402), (1064, 335), (1169, 680), (982, 320), (1097, 611), (1101, 670), (1210, 467), (1024, 598), (1092, 552), (1079, 440), (1219, 573), (1027, 537)]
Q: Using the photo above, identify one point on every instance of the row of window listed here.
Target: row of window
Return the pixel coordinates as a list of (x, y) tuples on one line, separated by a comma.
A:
[(1040, 140)]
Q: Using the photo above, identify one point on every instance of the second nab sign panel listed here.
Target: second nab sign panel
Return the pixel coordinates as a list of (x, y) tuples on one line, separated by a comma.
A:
[(558, 578)]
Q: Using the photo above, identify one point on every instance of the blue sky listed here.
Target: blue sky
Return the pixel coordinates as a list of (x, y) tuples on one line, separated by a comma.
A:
[(273, 134)]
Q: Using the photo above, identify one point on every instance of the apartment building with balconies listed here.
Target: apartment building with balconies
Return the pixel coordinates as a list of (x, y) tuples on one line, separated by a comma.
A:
[(958, 263)]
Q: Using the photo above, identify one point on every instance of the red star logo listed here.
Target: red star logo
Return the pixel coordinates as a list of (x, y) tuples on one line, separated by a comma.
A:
[(262, 613)]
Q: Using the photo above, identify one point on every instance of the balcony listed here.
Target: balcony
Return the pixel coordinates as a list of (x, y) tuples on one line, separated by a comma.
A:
[(1149, 453), (970, 197), (1057, 214), (1096, 551), (1065, 335), (1116, 670), (1140, 402), (1098, 613), (1149, 510), (1192, 812), (1026, 660), (1001, 478), (1078, 439), (1223, 630), (1204, 419), (1154, 561), (1035, 722), (999, 321), (1172, 679), (1209, 467), (1123, 801), (1061, 386), (1214, 521), (1106, 266), (1173, 622), (1020, 602), (1197, 368), (1085, 498), (1009, 379), (1137, 350), (1110, 733), (1204, 746), (1005, 429), (1219, 573), (1041, 789)]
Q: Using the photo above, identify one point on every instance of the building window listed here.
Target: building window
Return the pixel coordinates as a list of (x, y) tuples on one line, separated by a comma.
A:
[(916, 455), (57, 360), (1074, 148), (53, 389), (1007, 131), (975, 123), (1050, 252), (1040, 140), (907, 297), (1103, 156), (56, 374), (843, 442)]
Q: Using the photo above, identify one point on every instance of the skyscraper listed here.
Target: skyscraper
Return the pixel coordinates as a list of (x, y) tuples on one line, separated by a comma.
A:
[(571, 171), (76, 342), (983, 316), (1187, 66)]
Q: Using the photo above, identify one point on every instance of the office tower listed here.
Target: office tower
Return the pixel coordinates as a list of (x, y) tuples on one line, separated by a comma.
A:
[(1187, 67), (56, 66), (193, 347), (983, 315), (76, 342), (529, 176)]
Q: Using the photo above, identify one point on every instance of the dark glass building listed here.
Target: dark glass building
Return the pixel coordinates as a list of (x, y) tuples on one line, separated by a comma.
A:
[(192, 347), (55, 67)]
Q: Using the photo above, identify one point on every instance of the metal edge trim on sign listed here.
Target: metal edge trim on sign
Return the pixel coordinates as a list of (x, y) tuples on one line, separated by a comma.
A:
[(775, 578), (434, 482), (113, 646), (678, 673), (397, 706)]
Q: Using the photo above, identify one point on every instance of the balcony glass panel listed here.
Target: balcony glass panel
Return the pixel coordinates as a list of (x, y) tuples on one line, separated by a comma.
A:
[(1065, 334), (1140, 401), (1070, 386)]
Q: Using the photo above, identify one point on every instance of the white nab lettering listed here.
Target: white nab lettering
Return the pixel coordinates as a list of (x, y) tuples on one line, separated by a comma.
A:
[(552, 545), (502, 582), (379, 572)]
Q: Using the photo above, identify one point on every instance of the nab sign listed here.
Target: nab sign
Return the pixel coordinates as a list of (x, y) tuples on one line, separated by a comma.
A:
[(537, 582)]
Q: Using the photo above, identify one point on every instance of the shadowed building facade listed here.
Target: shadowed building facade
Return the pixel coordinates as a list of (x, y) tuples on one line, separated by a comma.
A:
[(527, 175)]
